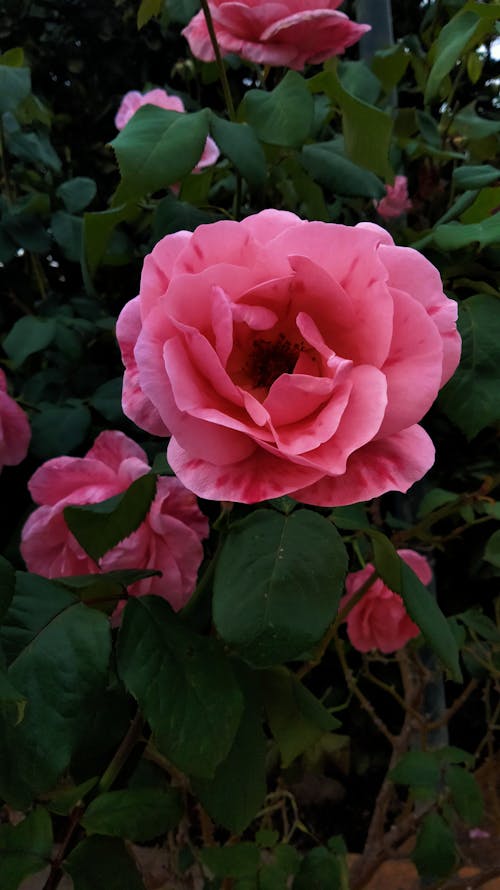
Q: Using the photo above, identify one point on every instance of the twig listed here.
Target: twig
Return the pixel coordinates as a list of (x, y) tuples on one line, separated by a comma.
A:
[(218, 58), (353, 687)]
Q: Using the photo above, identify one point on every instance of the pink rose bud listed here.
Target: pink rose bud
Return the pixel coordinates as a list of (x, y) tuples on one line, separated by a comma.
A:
[(169, 539), (15, 432), (292, 34), (134, 100), (380, 620), (288, 357), (396, 201)]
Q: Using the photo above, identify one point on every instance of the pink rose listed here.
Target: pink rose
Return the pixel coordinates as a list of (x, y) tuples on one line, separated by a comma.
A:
[(396, 201), (15, 432), (169, 539), (134, 100), (291, 33), (380, 620), (289, 357)]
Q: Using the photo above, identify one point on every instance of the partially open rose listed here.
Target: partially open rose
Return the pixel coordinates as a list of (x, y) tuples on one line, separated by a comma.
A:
[(289, 357), (291, 33), (396, 200), (15, 432), (134, 100), (169, 539), (380, 620)]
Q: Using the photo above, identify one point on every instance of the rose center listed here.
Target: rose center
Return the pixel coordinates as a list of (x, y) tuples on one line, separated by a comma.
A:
[(269, 359)]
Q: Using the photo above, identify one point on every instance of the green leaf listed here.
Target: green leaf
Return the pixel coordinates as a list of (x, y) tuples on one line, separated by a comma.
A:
[(390, 64), (466, 795), (100, 527), (350, 518), (325, 163), (77, 193), (240, 144), (282, 117), (387, 562), (183, 683), (425, 612), (148, 10), (470, 399), (107, 399), (59, 429), (98, 228), (28, 336), (34, 147), (448, 48), (63, 800), (455, 236), (67, 231), (296, 718), (237, 861), (49, 635), (156, 149), (435, 853), (479, 623), (277, 584), (138, 814), (7, 586), (358, 120), (12, 703), (359, 80), (15, 85), (417, 769), (475, 177), (102, 863), (320, 869), (237, 790), (24, 848), (492, 549)]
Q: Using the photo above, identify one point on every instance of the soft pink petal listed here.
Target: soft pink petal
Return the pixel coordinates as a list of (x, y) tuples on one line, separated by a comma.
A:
[(15, 431)]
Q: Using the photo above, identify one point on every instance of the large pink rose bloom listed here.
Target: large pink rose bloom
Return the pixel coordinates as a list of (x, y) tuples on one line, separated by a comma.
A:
[(396, 200), (134, 100), (380, 620), (289, 357), (291, 33), (169, 539), (15, 432)]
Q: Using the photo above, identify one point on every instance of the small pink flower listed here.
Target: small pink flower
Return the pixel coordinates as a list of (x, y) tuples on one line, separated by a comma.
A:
[(288, 357), (477, 834), (396, 201), (134, 100), (380, 620), (292, 33), (169, 539), (15, 432)]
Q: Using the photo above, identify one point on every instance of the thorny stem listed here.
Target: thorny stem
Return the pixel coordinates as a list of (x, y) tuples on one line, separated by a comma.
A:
[(218, 58), (353, 687)]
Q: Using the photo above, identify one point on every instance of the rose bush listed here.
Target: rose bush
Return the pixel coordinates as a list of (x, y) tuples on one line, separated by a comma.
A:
[(396, 200), (134, 100), (288, 357), (380, 620), (169, 539), (292, 34), (15, 432)]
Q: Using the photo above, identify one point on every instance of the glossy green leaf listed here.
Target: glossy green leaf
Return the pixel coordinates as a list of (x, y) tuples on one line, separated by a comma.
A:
[(277, 584), (24, 848), (326, 164), (183, 683), (450, 44), (390, 64), (156, 149), (59, 429), (238, 788), (386, 560), (455, 236), (470, 399), (34, 147), (100, 527), (296, 718), (417, 769), (138, 814), (15, 85), (67, 231), (28, 336), (435, 853), (102, 863), (48, 635), (240, 144), (98, 228), (466, 794), (77, 193), (283, 116), (475, 177)]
